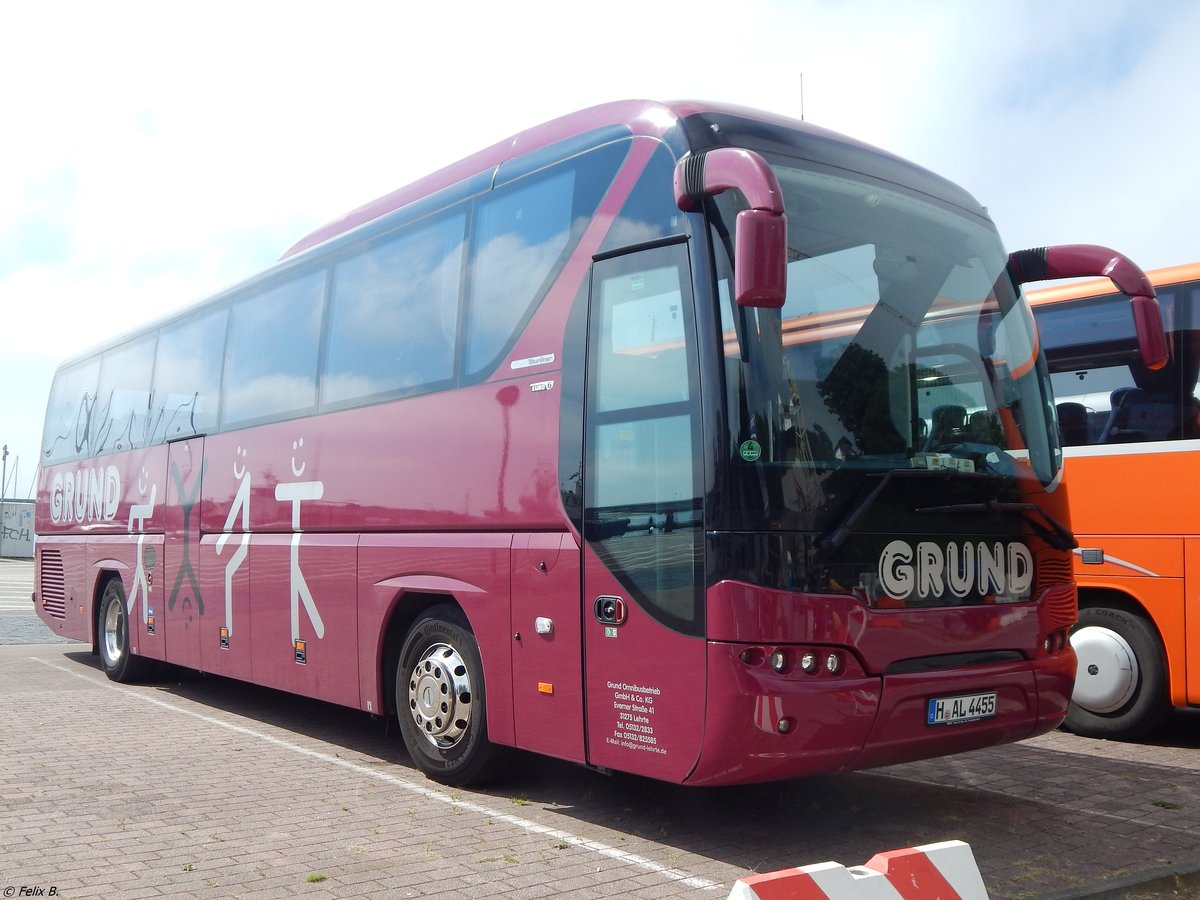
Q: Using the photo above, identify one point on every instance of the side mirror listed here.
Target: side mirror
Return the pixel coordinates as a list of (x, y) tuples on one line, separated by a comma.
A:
[(1147, 323), (760, 236), (1084, 260), (760, 270)]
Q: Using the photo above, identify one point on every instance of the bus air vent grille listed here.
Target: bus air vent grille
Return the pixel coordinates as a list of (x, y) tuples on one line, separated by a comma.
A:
[(1052, 569), (1062, 606), (54, 584)]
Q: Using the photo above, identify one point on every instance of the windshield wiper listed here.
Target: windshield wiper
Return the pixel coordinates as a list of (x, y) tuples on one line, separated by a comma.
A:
[(833, 539), (1057, 535)]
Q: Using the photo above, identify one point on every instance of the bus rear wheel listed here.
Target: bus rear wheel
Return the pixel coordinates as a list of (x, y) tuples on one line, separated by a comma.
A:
[(120, 663), (441, 701), (1120, 687)]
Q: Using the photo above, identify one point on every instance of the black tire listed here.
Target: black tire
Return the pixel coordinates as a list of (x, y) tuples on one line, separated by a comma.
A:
[(112, 635), (441, 700), (1121, 686)]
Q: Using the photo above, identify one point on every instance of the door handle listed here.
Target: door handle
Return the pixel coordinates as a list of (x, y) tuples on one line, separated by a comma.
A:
[(610, 610)]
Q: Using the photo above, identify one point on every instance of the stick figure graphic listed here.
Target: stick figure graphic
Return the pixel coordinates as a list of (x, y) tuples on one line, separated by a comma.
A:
[(187, 501), (297, 492), (241, 506), (140, 512)]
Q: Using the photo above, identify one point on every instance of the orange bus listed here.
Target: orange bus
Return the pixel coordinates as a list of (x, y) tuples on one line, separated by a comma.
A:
[(1131, 439)]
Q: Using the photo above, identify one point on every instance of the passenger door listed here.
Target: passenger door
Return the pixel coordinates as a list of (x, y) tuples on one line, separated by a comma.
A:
[(643, 595), (182, 599)]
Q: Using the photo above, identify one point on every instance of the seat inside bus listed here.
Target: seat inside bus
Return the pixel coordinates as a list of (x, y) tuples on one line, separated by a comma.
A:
[(1074, 424), (1136, 415)]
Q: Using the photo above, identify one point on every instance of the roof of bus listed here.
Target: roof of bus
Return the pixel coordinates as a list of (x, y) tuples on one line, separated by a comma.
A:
[(1096, 287), (636, 117)]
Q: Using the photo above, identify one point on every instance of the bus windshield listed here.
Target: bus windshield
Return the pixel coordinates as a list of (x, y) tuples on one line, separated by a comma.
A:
[(902, 344)]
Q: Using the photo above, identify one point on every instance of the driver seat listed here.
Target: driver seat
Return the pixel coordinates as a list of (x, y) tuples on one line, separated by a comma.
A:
[(949, 426)]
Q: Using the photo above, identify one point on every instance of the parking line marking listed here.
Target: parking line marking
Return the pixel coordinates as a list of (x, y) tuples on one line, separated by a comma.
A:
[(598, 847)]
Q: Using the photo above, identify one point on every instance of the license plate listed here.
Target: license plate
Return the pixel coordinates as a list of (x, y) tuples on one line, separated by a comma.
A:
[(964, 708)]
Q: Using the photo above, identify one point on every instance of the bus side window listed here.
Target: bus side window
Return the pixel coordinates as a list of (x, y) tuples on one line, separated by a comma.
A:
[(67, 433), (121, 420), (187, 376), (1190, 427), (519, 236), (650, 212), (271, 358), (393, 314)]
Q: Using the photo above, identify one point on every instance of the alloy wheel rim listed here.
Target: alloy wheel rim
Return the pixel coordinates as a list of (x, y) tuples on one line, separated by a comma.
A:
[(440, 697)]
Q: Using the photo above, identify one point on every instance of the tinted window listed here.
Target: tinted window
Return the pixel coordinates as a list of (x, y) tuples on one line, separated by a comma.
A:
[(121, 420), (1088, 329), (1103, 393), (69, 412), (393, 314), (187, 376), (271, 360), (520, 235), (650, 212), (643, 496)]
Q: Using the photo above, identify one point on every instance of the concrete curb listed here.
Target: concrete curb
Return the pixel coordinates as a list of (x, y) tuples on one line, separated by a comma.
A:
[(1179, 880)]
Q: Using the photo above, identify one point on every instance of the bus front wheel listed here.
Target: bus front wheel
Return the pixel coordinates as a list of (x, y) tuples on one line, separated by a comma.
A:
[(120, 663), (1120, 686), (441, 702)]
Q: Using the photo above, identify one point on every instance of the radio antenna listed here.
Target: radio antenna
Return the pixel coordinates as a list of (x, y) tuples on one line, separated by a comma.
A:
[(801, 96)]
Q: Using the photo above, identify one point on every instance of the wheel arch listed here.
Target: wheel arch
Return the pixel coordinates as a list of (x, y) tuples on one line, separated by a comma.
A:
[(1161, 603), (406, 608), (433, 651), (1152, 699), (1092, 597)]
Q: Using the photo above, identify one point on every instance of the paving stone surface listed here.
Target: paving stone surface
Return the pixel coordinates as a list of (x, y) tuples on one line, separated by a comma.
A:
[(194, 786)]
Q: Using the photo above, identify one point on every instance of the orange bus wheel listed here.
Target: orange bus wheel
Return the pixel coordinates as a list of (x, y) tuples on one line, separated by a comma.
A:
[(1120, 686)]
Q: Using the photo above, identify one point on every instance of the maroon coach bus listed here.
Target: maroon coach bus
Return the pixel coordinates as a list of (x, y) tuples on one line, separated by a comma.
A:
[(675, 439)]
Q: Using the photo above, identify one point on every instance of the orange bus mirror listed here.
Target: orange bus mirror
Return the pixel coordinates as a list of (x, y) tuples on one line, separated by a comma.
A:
[(1085, 260)]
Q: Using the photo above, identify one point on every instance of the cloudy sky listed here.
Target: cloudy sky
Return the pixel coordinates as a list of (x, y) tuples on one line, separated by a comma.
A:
[(154, 153)]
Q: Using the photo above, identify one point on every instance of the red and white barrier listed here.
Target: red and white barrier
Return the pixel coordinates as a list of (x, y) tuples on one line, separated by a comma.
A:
[(944, 871)]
